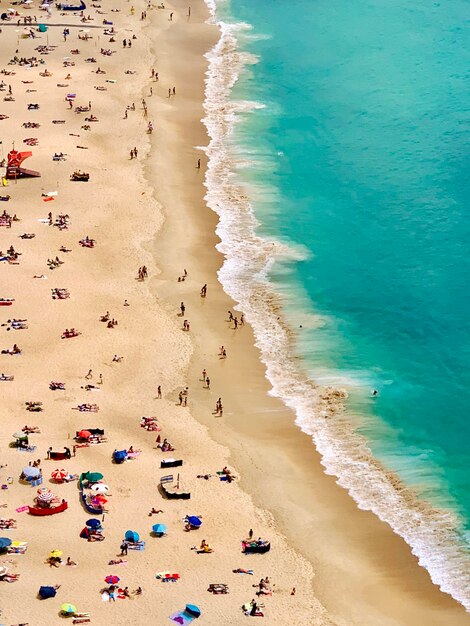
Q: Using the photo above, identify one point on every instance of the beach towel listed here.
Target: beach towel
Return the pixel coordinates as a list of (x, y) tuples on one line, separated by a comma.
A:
[(21, 509), (181, 618)]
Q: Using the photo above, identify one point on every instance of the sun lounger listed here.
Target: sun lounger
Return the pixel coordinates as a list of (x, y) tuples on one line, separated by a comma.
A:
[(171, 463)]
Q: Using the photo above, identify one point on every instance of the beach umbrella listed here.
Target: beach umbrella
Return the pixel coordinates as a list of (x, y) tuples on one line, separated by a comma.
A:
[(3, 571), (100, 488), (68, 608), (194, 521), (46, 496), (84, 434), (98, 500), (4, 542), (111, 579), (31, 472), (47, 592), (59, 474), (93, 477), (93, 523), (20, 435), (193, 610), (55, 554), (132, 536), (159, 528), (120, 455)]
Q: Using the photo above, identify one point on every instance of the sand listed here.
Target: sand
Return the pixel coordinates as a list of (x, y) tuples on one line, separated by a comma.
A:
[(346, 566)]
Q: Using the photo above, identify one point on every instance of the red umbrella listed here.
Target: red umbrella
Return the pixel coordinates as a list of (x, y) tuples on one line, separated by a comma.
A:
[(84, 434), (59, 475), (112, 580)]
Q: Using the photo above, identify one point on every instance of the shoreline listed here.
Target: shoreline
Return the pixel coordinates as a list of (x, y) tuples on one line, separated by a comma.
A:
[(243, 436)]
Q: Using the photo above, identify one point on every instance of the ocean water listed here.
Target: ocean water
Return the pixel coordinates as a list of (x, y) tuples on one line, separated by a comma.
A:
[(339, 167)]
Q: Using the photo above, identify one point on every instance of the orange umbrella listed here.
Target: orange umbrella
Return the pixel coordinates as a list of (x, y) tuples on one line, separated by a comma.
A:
[(84, 434)]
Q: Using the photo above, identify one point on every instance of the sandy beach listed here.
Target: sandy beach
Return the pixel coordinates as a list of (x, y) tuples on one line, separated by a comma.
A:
[(148, 210)]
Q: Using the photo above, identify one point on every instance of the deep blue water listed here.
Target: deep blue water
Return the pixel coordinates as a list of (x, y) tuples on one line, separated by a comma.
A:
[(361, 158)]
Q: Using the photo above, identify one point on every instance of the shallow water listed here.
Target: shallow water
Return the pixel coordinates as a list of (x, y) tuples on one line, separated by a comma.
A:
[(348, 128)]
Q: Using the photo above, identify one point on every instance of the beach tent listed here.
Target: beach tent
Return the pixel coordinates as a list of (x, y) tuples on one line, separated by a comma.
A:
[(4, 543), (68, 609), (131, 536), (47, 592), (159, 529), (193, 610)]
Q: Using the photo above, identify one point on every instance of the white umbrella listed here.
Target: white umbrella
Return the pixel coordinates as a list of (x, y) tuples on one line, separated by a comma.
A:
[(100, 488)]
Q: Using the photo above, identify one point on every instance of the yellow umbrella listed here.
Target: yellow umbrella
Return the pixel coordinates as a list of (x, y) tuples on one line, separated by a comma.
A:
[(56, 553)]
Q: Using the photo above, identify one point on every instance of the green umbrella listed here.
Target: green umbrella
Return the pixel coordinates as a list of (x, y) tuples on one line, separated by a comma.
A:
[(93, 477), (68, 608), (20, 435)]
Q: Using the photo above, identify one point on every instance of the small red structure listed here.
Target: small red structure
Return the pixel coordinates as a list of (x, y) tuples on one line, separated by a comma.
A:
[(14, 169)]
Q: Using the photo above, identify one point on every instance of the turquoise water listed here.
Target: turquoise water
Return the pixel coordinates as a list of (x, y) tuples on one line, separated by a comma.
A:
[(359, 160)]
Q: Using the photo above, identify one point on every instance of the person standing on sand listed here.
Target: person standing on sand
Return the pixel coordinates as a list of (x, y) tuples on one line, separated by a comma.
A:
[(242, 319), (180, 398), (174, 91), (208, 382), (171, 17), (159, 392), (198, 166), (182, 309), (204, 375)]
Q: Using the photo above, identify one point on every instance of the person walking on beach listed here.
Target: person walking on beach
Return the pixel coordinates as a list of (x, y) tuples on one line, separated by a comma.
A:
[(169, 93), (159, 392), (89, 375), (182, 309), (242, 319), (204, 291), (208, 382), (123, 549), (174, 91), (198, 164), (180, 398), (171, 17), (230, 316), (235, 323), (204, 375)]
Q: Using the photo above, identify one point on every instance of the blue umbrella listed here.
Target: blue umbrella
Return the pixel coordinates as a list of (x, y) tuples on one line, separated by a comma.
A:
[(4, 542), (93, 523), (131, 536), (159, 528), (194, 521), (120, 455), (47, 592), (193, 610), (31, 472)]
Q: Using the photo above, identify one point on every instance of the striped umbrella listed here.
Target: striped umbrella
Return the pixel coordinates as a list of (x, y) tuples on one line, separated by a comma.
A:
[(46, 496), (59, 474)]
